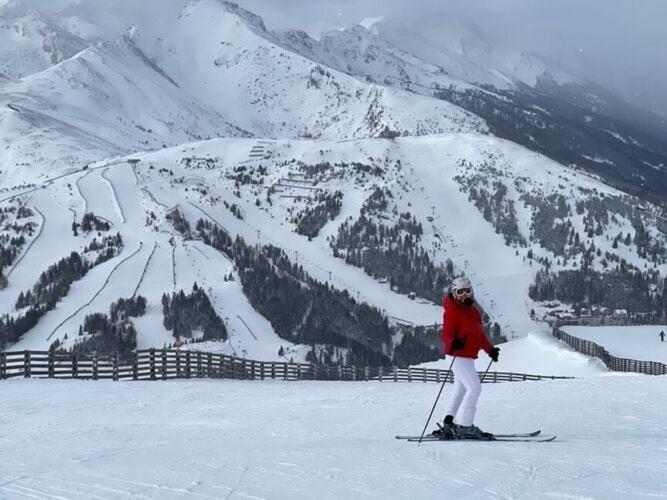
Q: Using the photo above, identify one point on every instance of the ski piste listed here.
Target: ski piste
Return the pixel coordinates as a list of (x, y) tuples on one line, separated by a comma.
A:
[(514, 435)]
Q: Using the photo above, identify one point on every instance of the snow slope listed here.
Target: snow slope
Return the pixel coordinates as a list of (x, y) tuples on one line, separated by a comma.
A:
[(423, 173), (633, 342), (212, 71), (31, 42), (282, 440), (144, 267), (537, 353)]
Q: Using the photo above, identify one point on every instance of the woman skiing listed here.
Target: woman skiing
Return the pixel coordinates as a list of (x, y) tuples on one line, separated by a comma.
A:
[(463, 337)]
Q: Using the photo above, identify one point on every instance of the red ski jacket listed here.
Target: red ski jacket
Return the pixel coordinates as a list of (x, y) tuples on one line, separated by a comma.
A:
[(464, 323)]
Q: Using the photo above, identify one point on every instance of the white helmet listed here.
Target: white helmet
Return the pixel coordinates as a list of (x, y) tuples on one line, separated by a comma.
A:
[(459, 284)]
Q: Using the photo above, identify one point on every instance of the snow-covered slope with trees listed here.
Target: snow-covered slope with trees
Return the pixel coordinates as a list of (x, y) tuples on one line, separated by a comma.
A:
[(288, 198)]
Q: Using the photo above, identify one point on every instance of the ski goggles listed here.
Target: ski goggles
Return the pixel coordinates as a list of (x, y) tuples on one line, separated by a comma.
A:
[(461, 292)]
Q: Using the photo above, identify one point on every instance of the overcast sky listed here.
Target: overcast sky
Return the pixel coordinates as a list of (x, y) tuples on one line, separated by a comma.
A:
[(620, 44)]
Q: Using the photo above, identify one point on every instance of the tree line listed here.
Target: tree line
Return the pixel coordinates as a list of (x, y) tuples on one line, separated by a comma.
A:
[(13, 236), (312, 219), (393, 253), (185, 313), (104, 334), (54, 284), (301, 309)]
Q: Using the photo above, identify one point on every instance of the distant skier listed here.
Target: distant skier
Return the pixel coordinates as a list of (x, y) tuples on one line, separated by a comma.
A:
[(463, 337), (662, 336)]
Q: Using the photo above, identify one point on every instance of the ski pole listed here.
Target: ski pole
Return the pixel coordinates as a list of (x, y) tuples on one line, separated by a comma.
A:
[(436, 401), (485, 372)]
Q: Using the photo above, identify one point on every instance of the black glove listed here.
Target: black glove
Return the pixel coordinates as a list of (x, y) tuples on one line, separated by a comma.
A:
[(457, 344), (493, 354)]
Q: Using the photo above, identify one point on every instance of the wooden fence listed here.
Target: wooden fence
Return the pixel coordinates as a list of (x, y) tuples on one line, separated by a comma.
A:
[(613, 363), (162, 364)]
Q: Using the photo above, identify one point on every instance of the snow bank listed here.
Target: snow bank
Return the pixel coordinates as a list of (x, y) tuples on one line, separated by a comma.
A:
[(538, 353), (326, 440), (634, 342)]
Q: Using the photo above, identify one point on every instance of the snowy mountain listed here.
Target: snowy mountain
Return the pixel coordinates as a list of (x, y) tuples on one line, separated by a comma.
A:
[(523, 97), (32, 42), (320, 193)]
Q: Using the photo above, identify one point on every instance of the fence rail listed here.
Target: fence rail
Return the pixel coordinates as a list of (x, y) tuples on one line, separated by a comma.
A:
[(612, 362), (162, 364)]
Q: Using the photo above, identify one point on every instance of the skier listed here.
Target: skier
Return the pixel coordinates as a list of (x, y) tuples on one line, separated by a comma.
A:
[(463, 337), (662, 336)]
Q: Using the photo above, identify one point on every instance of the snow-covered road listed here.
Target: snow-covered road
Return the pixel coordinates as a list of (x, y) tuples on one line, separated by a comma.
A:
[(326, 440)]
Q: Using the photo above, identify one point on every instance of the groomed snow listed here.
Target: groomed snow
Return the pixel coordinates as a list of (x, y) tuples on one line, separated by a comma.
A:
[(538, 353), (633, 342), (326, 440)]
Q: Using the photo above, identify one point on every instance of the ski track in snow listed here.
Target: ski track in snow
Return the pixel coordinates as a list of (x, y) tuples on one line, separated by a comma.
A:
[(117, 205), (143, 273), (98, 292), (336, 440), (55, 242), (80, 191), (99, 196)]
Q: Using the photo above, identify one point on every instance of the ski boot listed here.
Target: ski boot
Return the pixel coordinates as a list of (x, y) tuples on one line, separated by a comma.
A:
[(470, 432), (446, 430)]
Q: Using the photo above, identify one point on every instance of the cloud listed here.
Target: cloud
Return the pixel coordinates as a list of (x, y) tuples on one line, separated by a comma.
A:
[(619, 44)]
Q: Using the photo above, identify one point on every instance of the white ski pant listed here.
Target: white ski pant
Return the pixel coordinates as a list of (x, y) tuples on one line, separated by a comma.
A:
[(467, 388)]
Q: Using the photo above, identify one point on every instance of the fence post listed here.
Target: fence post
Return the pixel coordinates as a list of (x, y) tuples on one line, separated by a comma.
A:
[(95, 368), (409, 374), (52, 366), (285, 374), (298, 371), (381, 374), (115, 366), (273, 370), (164, 364), (26, 364), (152, 362), (199, 370), (75, 365), (178, 364), (3, 366), (424, 374), (135, 365), (188, 364), (209, 365)]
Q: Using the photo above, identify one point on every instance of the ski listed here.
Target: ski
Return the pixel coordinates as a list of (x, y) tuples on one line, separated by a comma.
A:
[(537, 439), (515, 435)]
